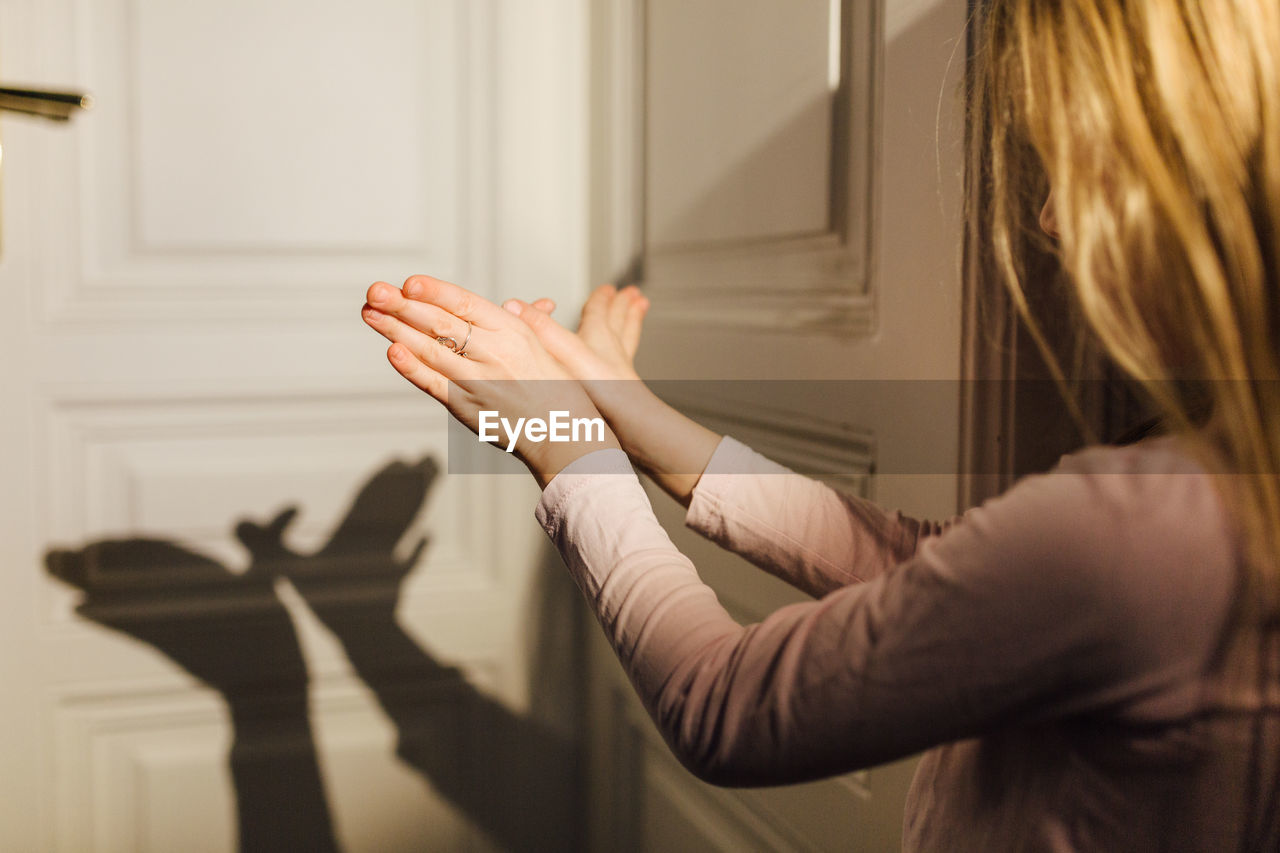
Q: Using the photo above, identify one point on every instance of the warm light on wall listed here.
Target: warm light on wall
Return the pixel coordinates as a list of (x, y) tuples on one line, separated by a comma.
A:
[(834, 63)]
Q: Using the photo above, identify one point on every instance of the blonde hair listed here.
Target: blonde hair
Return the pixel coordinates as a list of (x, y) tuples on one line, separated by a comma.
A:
[(1157, 124)]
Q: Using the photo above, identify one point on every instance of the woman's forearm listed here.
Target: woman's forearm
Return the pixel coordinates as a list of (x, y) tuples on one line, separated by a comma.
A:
[(670, 447)]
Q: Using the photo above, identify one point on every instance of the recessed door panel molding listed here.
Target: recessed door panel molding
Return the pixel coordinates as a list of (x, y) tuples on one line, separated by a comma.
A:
[(669, 800), (115, 469), (743, 160), (781, 177), (841, 452), (147, 771), (244, 155), (681, 813), (288, 111)]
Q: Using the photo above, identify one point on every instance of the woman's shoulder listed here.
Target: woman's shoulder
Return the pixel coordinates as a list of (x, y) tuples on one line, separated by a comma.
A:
[(1166, 454), (1137, 532), (1130, 543), (1154, 483), (1161, 491), (1137, 505)]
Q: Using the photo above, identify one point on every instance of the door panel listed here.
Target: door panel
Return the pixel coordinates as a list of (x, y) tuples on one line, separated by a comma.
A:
[(743, 115), (783, 180), (182, 353)]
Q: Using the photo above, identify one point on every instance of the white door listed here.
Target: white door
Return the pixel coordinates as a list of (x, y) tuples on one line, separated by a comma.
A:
[(784, 179), (181, 351)]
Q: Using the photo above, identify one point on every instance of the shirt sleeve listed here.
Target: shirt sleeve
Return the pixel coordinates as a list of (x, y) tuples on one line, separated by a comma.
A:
[(1069, 595), (796, 528)]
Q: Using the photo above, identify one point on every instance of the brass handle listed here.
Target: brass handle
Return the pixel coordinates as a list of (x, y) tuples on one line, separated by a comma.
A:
[(57, 106)]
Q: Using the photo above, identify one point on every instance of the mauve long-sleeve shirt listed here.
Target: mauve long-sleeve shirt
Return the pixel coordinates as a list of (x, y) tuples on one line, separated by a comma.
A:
[(1059, 653)]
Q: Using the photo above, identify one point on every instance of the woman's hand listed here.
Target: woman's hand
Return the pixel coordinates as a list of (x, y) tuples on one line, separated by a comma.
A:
[(673, 449), (473, 356), (604, 346)]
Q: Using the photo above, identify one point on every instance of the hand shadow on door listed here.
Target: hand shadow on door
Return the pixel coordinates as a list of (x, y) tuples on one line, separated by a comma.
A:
[(513, 776)]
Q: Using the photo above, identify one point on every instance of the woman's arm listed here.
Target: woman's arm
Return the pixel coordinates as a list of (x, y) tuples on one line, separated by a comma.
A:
[(1074, 594), (746, 503), (796, 528), (668, 446), (1071, 595), (791, 526)]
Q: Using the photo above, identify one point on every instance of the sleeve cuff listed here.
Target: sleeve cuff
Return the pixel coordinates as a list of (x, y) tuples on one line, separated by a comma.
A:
[(573, 477), (731, 459)]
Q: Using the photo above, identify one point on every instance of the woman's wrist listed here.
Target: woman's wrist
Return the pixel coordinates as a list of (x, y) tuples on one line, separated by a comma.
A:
[(547, 460), (669, 446), (574, 429), (624, 403)]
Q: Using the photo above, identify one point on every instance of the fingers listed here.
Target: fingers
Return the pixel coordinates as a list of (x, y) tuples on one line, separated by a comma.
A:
[(622, 306), (546, 306), (432, 320), (625, 317), (597, 304), (423, 346), (424, 377), (457, 301), (617, 312), (632, 323), (554, 337), (614, 308)]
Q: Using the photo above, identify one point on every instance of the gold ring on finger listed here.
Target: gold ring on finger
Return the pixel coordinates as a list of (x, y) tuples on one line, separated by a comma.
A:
[(462, 350)]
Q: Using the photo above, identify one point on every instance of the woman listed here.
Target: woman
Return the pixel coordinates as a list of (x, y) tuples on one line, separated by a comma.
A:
[(1089, 660)]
